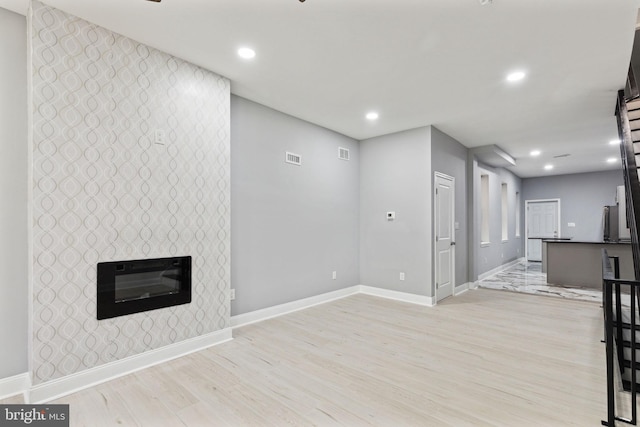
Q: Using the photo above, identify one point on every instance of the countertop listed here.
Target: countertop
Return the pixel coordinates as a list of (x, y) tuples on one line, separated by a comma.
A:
[(552, 239), (585, 242)]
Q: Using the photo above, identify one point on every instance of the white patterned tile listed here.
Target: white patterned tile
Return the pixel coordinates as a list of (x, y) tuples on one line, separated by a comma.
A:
[(104, 191), (527, 277)]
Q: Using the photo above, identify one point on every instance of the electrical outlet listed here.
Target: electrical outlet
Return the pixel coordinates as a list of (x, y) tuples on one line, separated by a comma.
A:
[(333, 276), (402, 275), (232, 294), (159, 136)]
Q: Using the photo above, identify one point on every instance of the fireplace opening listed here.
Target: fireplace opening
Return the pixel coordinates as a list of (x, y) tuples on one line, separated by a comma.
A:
[(127, 287)]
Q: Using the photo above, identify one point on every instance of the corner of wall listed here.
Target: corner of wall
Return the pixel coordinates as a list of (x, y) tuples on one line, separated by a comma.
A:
[(395, 176)]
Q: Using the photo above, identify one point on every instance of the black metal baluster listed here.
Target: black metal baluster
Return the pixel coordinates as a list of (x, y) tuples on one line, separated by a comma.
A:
[(619, 327), (608, 314), (633, 354)]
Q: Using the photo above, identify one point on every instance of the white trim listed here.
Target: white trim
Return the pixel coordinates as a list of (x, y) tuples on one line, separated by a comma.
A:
[(290, 307), (518, 214), (498, 269), (398, 296), (526, 221), (458, 290), (472, 285), (75, 382), (485, 208), (504, 211), (12, 386)]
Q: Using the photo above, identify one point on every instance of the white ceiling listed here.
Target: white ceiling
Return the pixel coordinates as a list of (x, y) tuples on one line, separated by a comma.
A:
[(416, 62)]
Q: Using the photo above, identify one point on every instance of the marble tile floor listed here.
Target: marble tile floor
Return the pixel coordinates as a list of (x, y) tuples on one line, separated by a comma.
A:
[(527, 277)]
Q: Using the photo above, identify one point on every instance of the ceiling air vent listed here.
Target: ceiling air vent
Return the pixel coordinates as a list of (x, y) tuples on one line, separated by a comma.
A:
[(343, 153), (294, 159)]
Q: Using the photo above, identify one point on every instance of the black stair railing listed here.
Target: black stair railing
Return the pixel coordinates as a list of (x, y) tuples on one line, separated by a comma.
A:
[(619, 318), (631, 88), (630, 175)]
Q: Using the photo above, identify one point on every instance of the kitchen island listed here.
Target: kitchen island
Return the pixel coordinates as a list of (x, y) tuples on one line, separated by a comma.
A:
[(578, 263)]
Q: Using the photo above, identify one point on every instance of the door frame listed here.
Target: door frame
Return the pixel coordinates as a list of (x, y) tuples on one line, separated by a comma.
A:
[(453, 233), (526, 222)]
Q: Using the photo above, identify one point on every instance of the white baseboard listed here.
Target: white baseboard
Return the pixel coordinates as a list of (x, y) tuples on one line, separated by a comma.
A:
[(54, 389), (290, 307), (473, 285), (17, 384), (462, 288), (500, 268), (398, 296), (282, 309)]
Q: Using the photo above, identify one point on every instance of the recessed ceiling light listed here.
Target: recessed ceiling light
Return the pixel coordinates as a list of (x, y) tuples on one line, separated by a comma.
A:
[(612, 160), (516, 76), (246, 53), (534, 153), (614, 142), (372, 115), (548, 167)]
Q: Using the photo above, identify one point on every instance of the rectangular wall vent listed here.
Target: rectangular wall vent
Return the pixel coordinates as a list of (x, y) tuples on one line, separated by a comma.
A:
[(343, 153), (294, 159)]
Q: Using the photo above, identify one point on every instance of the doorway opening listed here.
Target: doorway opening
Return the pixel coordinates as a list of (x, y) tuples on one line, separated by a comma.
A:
[(542, 218)]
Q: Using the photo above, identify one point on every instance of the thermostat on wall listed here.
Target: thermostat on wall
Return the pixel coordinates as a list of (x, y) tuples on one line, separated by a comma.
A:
[(391, 216)]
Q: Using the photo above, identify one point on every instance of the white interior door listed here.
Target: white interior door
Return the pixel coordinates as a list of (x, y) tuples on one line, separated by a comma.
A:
[(542, 223), (444, 200)]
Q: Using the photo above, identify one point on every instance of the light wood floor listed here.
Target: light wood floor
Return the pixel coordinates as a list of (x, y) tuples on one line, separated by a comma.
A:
[(484, 358)]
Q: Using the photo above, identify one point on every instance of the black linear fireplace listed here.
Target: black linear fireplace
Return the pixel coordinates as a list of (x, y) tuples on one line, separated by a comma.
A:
[(126, 287)]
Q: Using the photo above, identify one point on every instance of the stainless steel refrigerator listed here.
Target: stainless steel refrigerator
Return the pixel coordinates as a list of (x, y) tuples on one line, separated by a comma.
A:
[(610, 224)]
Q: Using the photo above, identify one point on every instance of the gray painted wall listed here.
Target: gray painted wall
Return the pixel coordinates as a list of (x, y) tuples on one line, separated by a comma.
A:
[(13, 193), (448, 156), (292, 225), (582, 197), (395, 175), (497, 252)]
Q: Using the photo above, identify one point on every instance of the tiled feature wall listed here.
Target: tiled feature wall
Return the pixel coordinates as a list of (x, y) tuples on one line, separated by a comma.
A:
[(104, 191)]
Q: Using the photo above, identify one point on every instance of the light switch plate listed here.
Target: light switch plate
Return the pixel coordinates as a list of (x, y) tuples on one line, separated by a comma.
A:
[(159, 136)]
